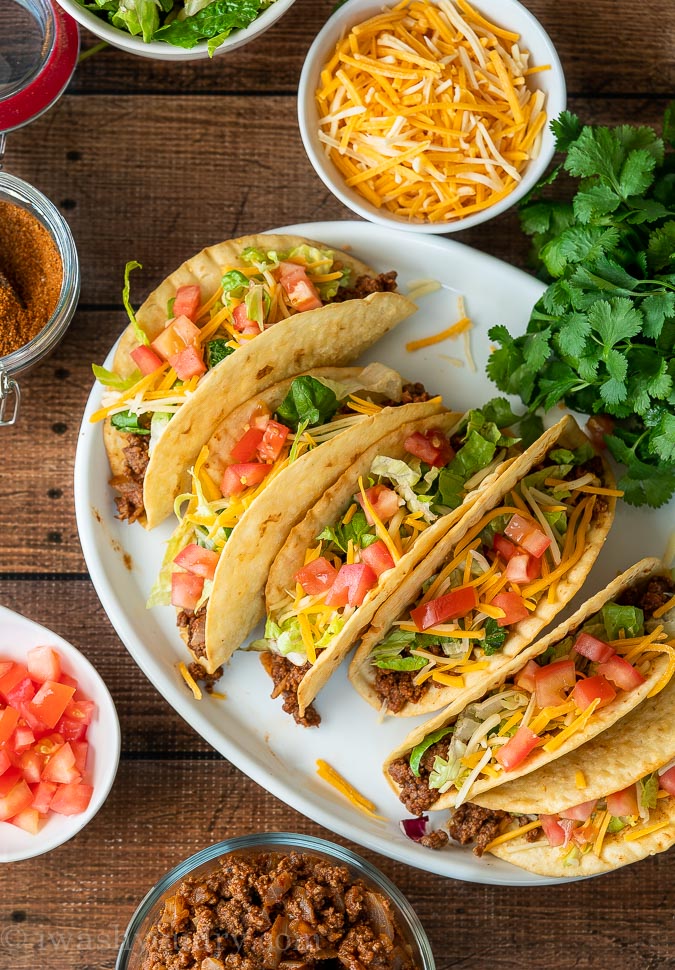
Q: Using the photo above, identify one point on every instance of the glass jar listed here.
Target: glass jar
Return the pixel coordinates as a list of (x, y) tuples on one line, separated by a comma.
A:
[(39, 45), (20, 193)]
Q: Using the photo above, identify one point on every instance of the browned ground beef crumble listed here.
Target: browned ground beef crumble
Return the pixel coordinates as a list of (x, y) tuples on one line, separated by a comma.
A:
[(471, 823), (415, 792), (283, 912), (365, 285), (650, 595), (287, 676), (130, 483)]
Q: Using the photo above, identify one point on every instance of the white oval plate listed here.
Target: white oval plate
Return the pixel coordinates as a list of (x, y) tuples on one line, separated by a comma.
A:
[(249, 728), (17, 636)]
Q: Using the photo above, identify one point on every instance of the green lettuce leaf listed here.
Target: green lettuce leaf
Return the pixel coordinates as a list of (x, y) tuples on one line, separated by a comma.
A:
[(141, 335), (495, 635), (648, 789), (215, 22), (308, 400), (217, 350), (110, 379), (418, 751), (627, 619), (357, 529), (125, 421)]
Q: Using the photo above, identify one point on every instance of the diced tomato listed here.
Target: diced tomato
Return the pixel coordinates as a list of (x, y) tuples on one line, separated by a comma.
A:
[(317, 576), (23, 738), (581, 812), (70, 729), (51, 701), (80, 710), (8, 779), (242, 322), (260, 416), (517, 748), (536, 543), (188, 363), (168, 343), (351, 585), (503, 547), (621, 673), (623, 802), (187, 301), (42, 796), (80, 750), (44, 664), (667, 780), (15, 800), (186, 330), (31, 764), (5, 761), (197, 560), (383, 501), (518, 528), (5, 667), (247, 446), (186, 590), (301, 292), (513, 606), (449, 607), (523, 568), (597, 426), (28, 820), (21, 693), (553, 681), (553, 831), (273, 441), (71, 799), (525, 678), (10, 678), (70, 681), (431, 447), (594, 649), (146, 359), (61, 767), (378, 557), (237, 478), (587, 690), (8, 721), (49, 744), (38, 727)]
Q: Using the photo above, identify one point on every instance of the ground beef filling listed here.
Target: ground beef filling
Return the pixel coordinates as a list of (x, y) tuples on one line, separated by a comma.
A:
[(292, 912), (398, 688), (192, 627), (471, 823), (365, 285), (287, 676), (129, 484), (650, 595), (415, 792)]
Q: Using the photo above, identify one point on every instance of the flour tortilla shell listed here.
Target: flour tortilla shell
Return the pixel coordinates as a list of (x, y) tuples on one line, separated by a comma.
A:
[(635, 746), (546, 861), (237, 599), (602, 719), (292, 555), (565, 434)]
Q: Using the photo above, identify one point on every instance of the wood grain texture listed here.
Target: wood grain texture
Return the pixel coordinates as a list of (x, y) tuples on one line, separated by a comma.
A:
[(153, 161), (607, 47)]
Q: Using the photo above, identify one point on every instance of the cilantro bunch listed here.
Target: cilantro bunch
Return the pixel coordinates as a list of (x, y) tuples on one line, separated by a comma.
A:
[(601, 339)]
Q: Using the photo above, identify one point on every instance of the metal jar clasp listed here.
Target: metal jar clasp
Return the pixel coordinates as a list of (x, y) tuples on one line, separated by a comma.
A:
[(10, 399)]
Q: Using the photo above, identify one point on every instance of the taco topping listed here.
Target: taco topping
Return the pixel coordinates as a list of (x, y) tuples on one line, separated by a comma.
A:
[(227, 477), (512, 560), (263, 289), (543, 705), (401, 498)]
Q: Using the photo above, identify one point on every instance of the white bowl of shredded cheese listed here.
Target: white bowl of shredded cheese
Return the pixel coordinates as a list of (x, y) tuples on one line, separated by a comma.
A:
[(430, 115)]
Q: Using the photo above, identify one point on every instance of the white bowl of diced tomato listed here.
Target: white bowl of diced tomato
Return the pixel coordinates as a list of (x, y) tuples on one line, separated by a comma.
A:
[(59, 739)]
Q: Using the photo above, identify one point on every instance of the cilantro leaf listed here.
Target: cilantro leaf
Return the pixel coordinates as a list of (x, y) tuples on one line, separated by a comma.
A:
[(566, 129)]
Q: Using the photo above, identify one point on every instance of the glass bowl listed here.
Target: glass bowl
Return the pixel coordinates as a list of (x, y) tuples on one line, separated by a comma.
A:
[(18, 192), (131, 953)]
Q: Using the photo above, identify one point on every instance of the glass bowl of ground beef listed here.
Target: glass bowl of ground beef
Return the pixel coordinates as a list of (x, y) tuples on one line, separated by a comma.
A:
[(39, 284), (278, 901)]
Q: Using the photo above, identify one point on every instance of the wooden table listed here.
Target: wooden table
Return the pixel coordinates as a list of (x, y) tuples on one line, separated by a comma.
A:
[(153, 161)]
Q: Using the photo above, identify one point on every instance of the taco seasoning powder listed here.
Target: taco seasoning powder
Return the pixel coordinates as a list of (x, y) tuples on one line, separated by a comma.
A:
[(31, 265)]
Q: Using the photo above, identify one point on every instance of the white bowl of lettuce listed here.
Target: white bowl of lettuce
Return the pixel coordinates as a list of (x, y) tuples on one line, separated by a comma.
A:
[(177, 30)]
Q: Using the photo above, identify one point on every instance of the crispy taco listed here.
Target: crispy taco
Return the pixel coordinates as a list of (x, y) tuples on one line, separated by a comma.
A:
[(284, 304), (269, 461), (561, 692), (366, 534), (626, 778), (495, 580)]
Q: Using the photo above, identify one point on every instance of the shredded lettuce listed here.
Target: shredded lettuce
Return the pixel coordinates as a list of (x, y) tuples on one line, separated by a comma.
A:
[(259, 258), (628, 621), (418, 751), (357, 529), (158, 423), (257, 304), (235, 285), (110, 379), (128, 422), (648, 789), (217, 350), (403, 477), (495, 635), (141, 335)]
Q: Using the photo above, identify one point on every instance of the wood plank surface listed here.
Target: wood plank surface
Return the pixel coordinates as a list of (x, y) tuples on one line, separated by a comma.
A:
[(152, 161)]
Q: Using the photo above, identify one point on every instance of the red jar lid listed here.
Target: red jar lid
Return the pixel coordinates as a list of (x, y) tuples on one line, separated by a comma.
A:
[(58, 45)]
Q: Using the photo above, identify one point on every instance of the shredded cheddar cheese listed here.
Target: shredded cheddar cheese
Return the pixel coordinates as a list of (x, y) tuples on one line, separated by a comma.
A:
[(329, 774), (190, 681), (454, 331), (507, 836), (426, 110)]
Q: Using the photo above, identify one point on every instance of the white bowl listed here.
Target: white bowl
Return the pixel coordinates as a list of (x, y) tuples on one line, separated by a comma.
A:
[(160, 50), (17, 636), (507, 13)]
